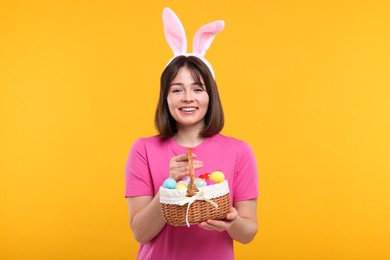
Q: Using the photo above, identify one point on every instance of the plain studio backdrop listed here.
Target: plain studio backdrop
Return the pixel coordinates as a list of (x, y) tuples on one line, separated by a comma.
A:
[(306, 83)]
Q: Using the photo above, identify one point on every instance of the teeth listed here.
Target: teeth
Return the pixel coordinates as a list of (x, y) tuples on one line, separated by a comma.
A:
[(188, 109)]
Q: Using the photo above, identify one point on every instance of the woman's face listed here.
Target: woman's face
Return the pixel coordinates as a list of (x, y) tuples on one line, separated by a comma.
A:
[(187, 100)]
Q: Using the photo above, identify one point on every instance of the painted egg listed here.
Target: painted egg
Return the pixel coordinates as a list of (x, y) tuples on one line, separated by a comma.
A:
[(217, 176), (183, 182), (169, 183), (204, 176), (200, 182), (210, 182), (186, 179), (180, 186)]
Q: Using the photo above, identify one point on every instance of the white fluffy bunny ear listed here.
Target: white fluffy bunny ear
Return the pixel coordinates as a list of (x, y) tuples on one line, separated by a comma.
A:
[(205, 36), (174, 32)]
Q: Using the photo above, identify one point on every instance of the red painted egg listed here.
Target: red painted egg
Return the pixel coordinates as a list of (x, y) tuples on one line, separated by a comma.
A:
[(205, 176)]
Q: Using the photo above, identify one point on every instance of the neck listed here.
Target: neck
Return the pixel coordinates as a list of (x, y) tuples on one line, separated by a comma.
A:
[(188, 137)]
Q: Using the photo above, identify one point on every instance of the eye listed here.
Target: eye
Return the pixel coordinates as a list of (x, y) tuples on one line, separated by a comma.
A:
[(176, 91), (199, 87)]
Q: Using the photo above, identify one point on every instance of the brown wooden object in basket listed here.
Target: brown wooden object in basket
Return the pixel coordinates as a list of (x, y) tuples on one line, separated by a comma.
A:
[(192, 190)]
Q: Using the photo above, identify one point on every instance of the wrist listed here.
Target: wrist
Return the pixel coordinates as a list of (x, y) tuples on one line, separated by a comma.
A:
[(234, 222)]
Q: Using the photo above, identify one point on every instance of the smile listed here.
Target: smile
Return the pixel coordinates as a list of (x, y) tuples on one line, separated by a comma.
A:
[(188, 109)]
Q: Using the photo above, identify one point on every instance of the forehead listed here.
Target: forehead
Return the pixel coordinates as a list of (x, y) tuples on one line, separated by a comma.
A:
[(189, 74)]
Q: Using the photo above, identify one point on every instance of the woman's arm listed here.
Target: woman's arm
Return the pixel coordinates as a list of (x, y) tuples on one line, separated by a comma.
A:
[(146, 220), (241, 221), (244, 227)]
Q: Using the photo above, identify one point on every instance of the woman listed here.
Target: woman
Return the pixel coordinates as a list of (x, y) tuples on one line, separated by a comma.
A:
[(189, 114)]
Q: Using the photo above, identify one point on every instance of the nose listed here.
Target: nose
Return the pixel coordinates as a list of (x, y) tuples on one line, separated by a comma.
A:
[(188, 97)]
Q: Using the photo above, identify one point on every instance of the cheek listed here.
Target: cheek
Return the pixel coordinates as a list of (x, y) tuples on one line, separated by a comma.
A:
[(205, 101), (169, 102), (171, 107)]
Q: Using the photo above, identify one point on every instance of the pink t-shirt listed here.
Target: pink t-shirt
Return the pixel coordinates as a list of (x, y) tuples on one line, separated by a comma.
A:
[(147, 168)]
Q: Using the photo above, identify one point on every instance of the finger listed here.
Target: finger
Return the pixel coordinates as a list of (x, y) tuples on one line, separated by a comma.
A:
[(197, 162), (182, 157), (206, 226), (231, 215), (180, 164), (185, 165), (216, 225), (183, 174), (198, 165), (183, 168)]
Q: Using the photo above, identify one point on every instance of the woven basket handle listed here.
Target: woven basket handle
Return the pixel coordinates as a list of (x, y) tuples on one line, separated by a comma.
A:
[(192, 190)]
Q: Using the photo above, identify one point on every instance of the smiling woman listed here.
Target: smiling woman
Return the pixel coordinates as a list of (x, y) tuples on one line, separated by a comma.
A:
[(189, 115)]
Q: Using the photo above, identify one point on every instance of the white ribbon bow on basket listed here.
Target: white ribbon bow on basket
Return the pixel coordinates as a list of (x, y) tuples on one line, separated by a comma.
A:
[(198, 196)]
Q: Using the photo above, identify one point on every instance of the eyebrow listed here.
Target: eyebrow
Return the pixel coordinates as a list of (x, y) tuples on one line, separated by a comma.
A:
[(192, 84)]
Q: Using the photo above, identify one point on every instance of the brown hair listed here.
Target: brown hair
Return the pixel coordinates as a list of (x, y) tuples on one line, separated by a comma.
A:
[(214, 119)]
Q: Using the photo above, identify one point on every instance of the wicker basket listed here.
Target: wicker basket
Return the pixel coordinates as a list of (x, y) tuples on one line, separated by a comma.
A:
[(193, 206)]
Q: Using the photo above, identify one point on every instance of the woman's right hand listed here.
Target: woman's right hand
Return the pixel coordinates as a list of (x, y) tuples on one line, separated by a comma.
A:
[(179, 166)]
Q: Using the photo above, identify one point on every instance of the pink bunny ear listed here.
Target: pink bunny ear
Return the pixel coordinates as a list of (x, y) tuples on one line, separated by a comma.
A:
[(205, 36), (174, 32)]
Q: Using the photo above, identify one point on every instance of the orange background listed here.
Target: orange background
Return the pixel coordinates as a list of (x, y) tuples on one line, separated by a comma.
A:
[(306, 83)]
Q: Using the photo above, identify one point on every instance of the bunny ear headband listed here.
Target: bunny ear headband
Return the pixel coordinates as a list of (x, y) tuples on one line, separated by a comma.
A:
[(176, 37)]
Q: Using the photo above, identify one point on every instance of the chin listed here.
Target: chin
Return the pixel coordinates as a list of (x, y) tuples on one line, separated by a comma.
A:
[(189, 124)]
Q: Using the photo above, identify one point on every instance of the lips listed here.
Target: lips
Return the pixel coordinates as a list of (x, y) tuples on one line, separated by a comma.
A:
[(188, 109)]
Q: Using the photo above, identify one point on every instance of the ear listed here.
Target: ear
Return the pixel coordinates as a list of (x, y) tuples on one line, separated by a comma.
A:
[(205, 36), (174, 32)]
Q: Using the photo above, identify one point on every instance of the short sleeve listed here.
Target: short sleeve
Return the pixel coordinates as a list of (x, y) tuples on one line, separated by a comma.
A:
[(137, 173), (246, 175)]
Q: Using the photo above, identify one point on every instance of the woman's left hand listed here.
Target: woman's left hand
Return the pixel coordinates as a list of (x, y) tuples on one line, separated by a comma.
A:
[(221, 225)]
